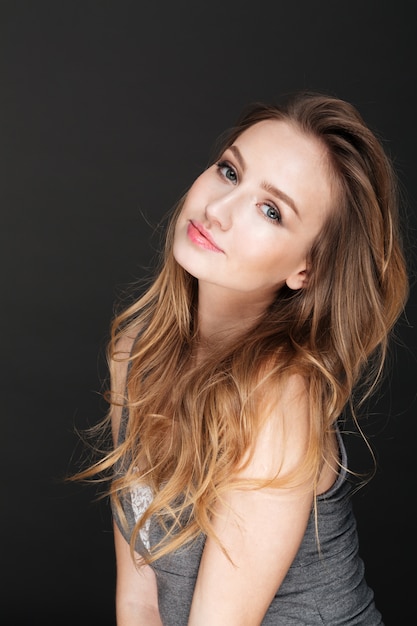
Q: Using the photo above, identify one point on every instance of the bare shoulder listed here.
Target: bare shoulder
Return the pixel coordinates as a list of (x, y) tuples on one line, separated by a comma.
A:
[(124, 344), (291, 417), (287, 407), (282, 438), (118, 376), (120, 360)]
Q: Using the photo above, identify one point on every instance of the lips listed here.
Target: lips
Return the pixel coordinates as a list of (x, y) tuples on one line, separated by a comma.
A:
[(201, 237)]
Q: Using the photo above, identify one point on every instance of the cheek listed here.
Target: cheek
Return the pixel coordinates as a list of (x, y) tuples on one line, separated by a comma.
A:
[(260, 262), (276, 259)]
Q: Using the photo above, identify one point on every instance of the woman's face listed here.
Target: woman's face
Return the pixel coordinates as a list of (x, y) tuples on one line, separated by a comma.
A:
[(248, 222)]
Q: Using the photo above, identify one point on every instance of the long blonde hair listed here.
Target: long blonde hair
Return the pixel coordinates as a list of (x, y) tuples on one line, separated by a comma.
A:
[(188, 427)]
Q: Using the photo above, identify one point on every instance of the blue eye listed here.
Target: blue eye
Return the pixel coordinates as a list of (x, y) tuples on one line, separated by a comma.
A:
[(227, 171), (270, 212)]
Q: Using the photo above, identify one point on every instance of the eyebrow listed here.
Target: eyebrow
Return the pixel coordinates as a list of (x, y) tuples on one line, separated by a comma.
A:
[(266, 186)]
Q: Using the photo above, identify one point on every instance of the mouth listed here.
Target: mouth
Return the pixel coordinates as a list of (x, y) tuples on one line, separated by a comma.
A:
[(201, 237)]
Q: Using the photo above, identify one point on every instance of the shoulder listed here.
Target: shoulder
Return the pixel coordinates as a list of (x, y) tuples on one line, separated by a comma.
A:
[(282, 438), (124, 343), (290, 436), (118, 364)]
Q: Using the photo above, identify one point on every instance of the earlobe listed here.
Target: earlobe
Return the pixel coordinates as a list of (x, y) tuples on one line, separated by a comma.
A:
[(298, 280)]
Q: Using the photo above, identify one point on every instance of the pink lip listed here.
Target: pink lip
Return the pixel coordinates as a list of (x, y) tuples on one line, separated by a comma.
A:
[(200, 236)]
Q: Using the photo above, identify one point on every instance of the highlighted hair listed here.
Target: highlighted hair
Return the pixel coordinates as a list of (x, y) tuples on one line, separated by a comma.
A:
[(190, 426)]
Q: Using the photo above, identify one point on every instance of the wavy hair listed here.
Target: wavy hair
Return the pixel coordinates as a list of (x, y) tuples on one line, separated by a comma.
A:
[(190, 426)]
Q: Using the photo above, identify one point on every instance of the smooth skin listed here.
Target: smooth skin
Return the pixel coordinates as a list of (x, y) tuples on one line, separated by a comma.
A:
[(245, 229), (136, 590), (262, 204)]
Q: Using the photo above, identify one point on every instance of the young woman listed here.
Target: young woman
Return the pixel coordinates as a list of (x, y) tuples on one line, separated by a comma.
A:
[(282, 279)]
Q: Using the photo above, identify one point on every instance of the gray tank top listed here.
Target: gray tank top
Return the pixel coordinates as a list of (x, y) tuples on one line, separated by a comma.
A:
[(319, 589)]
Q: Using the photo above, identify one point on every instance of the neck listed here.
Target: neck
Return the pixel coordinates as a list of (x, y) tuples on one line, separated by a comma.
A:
[(224, 314)]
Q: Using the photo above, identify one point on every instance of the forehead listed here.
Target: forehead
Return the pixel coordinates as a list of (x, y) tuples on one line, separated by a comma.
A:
[(275, 135), (282, 154)]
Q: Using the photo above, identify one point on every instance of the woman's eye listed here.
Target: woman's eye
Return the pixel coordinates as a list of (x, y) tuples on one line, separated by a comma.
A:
[(227, 171), (271, 212)]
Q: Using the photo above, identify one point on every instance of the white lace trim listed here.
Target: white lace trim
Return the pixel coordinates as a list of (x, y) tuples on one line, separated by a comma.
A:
[(141, 498)]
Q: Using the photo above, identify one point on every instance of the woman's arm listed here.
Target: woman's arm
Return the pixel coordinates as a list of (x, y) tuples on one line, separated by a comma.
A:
[(136, 590), (260, 529)]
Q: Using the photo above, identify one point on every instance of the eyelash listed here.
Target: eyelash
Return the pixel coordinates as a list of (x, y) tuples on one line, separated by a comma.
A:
[(223, 165)]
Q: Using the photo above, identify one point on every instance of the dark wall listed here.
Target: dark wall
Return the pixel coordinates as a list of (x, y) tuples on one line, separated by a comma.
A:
[(108, 112)]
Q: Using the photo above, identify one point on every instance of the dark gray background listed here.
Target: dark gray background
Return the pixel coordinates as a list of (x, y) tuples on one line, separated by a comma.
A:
[(108, 112)]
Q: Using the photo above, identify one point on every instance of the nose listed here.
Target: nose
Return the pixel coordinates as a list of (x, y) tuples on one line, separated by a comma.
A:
[(220, 210)]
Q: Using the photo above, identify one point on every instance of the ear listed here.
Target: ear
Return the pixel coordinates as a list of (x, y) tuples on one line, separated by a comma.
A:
[(297, 280)]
